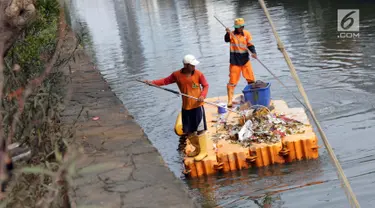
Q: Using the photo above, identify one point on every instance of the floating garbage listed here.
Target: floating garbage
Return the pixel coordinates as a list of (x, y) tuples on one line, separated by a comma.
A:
[(246, 131), (258, 125), (256, 137)]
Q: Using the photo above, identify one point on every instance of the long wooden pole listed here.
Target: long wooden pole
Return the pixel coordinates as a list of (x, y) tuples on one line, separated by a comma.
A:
[(189, 96), (350, 194)]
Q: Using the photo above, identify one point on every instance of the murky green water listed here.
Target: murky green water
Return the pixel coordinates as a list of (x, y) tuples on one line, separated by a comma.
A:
[(147, 39)]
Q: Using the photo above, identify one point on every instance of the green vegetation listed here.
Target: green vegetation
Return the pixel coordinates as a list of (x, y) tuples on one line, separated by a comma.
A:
[(38, 40), (39, 125)]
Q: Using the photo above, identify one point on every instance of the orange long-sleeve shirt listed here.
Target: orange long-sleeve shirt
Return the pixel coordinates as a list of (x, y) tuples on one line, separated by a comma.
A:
[(188, 84)]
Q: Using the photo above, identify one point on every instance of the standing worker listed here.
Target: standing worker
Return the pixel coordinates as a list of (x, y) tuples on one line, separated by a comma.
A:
[(239, 56), (194, 123)]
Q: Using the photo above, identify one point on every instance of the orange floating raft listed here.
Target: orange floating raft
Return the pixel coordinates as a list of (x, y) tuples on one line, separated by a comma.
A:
[(225, 156)]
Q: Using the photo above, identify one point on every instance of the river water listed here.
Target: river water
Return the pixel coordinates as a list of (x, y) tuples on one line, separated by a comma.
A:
[(147, 39)]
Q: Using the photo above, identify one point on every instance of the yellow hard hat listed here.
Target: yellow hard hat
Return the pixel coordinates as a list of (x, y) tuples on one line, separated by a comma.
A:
[(239, 22)]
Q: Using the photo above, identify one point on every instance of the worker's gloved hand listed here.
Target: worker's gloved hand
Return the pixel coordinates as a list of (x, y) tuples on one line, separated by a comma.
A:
[(254, 55), (201, 99), (227, 29)]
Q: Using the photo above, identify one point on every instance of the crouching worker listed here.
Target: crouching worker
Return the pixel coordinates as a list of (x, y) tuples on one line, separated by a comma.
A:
[(189, 81)]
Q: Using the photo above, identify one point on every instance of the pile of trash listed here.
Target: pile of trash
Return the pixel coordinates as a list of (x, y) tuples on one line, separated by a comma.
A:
[(260, 125)]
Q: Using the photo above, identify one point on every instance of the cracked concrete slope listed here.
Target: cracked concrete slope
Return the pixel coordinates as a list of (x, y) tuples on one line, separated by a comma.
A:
[(137, 175)]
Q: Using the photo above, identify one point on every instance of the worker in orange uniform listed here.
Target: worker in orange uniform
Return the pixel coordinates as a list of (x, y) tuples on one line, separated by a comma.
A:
[(194, 123), (239, 56)]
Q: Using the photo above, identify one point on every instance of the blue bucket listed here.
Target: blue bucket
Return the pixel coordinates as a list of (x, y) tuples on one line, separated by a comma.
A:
[(258, 96), (221, 110)]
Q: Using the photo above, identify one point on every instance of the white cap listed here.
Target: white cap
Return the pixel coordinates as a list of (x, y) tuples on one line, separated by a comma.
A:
[(190, 59)]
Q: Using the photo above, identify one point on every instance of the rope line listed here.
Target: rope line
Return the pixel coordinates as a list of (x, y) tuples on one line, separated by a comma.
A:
[(344, 181)]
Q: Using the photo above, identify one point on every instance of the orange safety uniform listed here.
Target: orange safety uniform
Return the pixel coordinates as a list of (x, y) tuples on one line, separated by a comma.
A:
[(239, 57), (189, 85)]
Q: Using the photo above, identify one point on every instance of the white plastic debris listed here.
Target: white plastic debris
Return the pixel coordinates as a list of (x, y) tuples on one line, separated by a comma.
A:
[(246, 131)]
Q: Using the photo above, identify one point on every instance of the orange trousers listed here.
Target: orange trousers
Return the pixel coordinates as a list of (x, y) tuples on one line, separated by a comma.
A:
[(235, 74)]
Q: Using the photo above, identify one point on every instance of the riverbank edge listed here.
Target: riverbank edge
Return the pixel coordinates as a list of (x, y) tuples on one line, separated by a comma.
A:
[(135, 174)]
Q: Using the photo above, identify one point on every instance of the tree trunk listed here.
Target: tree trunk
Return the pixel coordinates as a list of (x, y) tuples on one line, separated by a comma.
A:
[(14, 16)]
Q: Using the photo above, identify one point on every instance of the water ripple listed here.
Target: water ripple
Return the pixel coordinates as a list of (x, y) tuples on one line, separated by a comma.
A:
[(147, 39)]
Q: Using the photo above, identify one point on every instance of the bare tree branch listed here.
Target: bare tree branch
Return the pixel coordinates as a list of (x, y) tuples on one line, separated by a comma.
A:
[(37, 81)]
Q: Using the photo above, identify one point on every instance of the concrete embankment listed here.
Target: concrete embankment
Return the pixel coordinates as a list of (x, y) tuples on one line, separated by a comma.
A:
[(138, 176)]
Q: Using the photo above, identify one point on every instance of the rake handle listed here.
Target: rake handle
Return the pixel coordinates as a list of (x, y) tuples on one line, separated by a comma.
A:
[(189, 96)]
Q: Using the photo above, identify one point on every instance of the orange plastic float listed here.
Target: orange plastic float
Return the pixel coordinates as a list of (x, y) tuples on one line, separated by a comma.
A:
[(226, 156)]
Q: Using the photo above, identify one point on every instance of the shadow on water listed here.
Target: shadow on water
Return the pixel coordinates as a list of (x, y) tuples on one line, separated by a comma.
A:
[(147, 39)]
